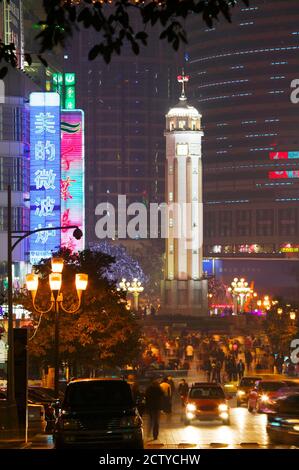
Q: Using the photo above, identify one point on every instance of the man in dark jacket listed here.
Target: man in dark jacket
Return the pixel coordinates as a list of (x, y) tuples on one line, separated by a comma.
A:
[(154, 397)]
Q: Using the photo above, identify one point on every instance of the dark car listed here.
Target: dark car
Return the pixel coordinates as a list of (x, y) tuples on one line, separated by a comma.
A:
[(283, 421), (98, 412)]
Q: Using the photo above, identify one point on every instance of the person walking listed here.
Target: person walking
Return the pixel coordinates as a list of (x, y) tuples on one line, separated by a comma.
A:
[(207, 367), (166, 389), (240, 369), (183, 391), (154, 397)]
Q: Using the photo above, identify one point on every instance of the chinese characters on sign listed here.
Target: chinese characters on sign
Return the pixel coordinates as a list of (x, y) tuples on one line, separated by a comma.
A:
[(44, 174), (72, 176)]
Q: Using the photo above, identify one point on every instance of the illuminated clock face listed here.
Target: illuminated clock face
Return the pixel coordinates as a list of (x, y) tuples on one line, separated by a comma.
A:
[(182, 150)]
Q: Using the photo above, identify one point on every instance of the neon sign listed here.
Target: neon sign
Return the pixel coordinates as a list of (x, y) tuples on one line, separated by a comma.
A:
[(283, 174), (283, 155), (72, 176), (44, 174)]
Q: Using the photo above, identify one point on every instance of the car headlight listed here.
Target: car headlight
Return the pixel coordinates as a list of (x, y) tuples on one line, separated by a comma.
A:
[(130, 422), (264, 398), (223, 407), (70, 424), (240, 393), (191, 407), (296, 428)]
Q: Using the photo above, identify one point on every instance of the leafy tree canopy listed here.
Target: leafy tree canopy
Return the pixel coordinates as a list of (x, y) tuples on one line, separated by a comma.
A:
[(113, 22), (101, 334)]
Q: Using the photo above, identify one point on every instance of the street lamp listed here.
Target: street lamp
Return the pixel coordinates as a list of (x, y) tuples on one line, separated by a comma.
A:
[(55, 281), (292, 316), (240, 291), (14, 237), (133, 287)]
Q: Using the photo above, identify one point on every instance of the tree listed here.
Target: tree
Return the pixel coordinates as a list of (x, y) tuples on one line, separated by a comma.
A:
[(280, 331), (113, 22), (123, 266), (102, 334)]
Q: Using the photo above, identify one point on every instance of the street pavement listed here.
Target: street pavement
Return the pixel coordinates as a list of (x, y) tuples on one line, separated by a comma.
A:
[(247, 431)]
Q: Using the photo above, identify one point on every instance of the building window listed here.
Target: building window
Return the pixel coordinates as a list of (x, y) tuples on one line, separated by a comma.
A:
[(243, 223), (225, 224), (210, 224), (288, 221), (265, 222)]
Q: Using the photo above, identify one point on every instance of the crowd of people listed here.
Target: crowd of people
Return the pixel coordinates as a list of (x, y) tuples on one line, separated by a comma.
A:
[(221, 358)]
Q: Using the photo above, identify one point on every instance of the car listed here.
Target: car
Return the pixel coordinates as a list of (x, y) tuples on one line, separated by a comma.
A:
[(36, 416), (206, 401), (98, 412), (263, 394), (245, 386), (283, 421)]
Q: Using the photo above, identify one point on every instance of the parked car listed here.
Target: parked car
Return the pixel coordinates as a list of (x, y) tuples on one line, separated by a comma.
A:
[(206, 401), (245, 386), (283, 421), (36, 416), (263, 394), (98, 412)]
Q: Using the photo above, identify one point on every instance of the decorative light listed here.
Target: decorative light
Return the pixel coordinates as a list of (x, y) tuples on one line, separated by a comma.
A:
[(81, 281), (32, 282), (57, 265), (55, 280), (293, 316)]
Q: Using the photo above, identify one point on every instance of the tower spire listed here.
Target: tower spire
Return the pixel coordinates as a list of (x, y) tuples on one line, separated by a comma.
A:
[(183, 79)]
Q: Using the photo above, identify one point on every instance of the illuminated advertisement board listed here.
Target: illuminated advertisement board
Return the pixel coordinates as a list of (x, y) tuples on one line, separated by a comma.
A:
[(72, 176), (283, 155), (44, 174), (273, 175), (283, 174)]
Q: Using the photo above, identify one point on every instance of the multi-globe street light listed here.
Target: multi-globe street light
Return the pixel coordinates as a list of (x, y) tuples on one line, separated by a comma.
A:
[(240, 291), (56, 303), (14, 237), (134, 287)]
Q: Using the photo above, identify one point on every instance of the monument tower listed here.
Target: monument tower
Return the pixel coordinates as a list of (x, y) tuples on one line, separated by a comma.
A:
[(184, 291)]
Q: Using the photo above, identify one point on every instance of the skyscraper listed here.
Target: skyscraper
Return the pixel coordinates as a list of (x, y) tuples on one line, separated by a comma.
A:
[(241, 80), (124, 104)]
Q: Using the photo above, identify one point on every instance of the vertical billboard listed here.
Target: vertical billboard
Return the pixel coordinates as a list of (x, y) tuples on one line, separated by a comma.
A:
[(72, 177), (44, 174)]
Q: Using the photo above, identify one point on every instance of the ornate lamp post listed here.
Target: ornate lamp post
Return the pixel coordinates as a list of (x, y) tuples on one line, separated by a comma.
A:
[(56, 303), (240, 291), (133, 287)]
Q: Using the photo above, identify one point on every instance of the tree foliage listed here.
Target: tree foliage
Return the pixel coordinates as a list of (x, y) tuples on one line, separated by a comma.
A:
[(280, 331), (102, 334), (113, 22)]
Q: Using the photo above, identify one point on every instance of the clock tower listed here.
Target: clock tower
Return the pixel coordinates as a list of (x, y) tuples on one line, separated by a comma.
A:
[(184, 291)]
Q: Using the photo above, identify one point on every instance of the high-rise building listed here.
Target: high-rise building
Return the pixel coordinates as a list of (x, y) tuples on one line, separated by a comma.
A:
[(14, 165), (124, 104), (241, 81), (184, 290)]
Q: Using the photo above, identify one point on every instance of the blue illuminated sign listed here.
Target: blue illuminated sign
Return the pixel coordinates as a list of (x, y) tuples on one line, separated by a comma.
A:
[(44, 174)]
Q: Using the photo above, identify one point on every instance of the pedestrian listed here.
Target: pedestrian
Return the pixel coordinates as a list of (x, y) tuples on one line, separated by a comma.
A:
[(189, 352), (166, 389), (154, 401), (183, 391), (207, 367), (240, 369), (248, 360)]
